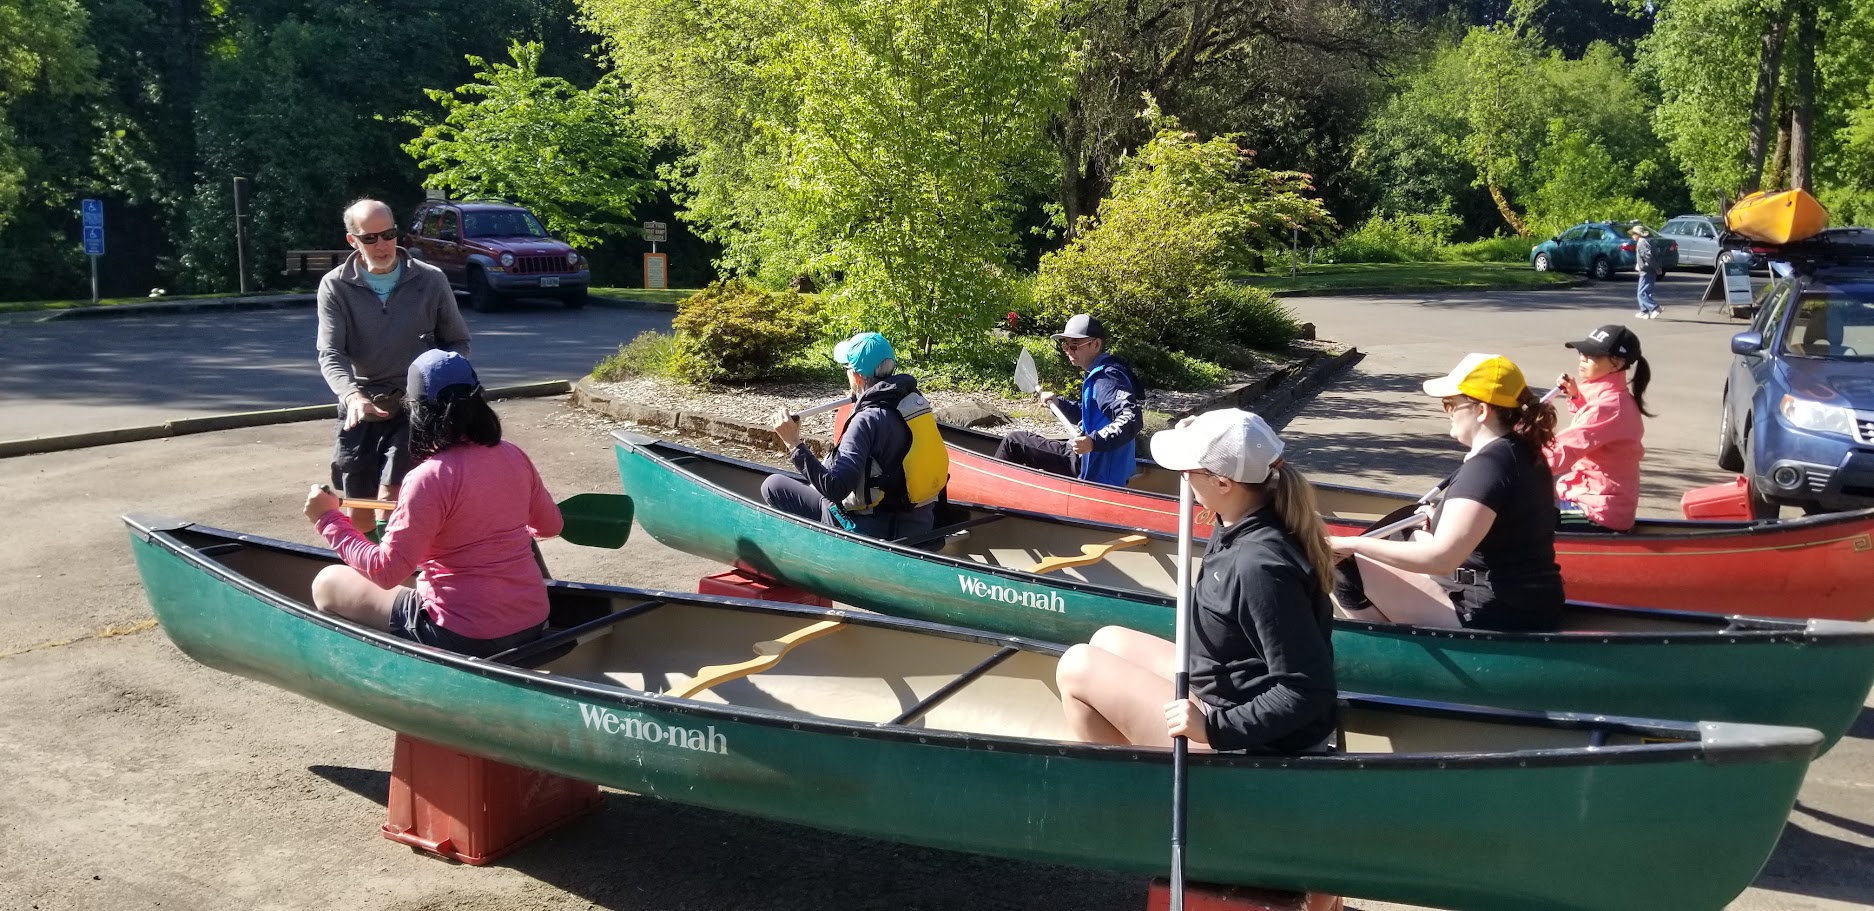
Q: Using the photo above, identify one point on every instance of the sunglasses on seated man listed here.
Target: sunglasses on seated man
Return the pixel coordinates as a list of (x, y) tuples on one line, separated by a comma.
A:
[(390, 235)]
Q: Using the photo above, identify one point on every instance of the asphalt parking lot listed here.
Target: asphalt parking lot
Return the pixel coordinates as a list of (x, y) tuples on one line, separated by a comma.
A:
[(139, 779)]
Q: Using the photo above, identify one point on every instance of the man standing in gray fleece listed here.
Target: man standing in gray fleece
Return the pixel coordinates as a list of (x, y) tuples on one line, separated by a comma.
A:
[(378, 311)]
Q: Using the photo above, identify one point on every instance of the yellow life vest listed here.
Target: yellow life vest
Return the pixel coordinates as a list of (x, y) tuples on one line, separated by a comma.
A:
[(926, 465)]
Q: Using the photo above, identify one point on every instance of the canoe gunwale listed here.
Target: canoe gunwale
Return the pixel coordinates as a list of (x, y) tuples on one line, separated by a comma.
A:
[(1676, 530), (1691, 740), (1771, 629)]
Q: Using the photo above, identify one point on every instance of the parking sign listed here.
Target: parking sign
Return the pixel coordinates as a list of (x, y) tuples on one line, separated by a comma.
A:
[(93, 212), (94, 241)]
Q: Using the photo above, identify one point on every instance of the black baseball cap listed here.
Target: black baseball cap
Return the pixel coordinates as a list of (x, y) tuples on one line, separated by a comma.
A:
[(1082, 325), (1610, 341)]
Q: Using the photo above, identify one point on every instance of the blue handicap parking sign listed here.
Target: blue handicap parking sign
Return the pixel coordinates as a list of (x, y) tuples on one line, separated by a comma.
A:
[(93, 212), (94, 241)]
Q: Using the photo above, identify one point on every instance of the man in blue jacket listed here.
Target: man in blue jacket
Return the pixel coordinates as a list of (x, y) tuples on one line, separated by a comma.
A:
[(1109, 414)]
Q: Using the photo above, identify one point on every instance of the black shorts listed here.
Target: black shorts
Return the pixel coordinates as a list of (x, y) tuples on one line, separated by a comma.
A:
[(409, 619), (372, 454)]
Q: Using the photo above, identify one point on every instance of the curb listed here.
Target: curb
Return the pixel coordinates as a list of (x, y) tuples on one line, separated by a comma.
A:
[(213, 422), (1272, 396), (1351, 292), (183, 305)]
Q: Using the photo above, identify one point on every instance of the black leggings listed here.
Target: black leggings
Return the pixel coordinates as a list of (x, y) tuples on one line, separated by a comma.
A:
[(1037, 451)]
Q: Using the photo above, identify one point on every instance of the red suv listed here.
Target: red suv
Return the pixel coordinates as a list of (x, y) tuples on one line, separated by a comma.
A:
[(496, 251)]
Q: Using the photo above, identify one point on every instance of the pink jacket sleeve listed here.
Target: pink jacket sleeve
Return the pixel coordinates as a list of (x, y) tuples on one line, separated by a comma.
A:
[(543, 515), (408, 535), (1594, 425)]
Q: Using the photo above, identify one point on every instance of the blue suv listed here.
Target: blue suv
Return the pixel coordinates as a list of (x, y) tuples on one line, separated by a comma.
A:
[(1799, 402)]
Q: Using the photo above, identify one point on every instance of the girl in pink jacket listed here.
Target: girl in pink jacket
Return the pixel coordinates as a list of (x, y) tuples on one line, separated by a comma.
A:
[(1596, 461)]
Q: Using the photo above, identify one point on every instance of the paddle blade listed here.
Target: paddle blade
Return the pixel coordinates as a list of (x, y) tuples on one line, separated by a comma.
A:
[(1026, 379), (597, 519)]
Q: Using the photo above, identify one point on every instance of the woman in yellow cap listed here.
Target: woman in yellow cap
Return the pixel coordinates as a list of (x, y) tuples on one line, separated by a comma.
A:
[(1488, 558)]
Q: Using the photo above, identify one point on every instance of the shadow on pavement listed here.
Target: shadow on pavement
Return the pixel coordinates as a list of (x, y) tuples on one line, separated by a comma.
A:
[(643, 853), (1809, 863)]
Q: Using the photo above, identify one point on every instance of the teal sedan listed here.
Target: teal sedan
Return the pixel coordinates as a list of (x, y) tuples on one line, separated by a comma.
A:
[(1599, 248)]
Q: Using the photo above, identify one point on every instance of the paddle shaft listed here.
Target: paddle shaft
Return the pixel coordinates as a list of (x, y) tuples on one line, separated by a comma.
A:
[(1181, 689), (827, 405), (590, 519)]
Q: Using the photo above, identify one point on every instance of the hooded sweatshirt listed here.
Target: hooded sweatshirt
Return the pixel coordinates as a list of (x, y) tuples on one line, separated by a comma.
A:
[(1596, 461)]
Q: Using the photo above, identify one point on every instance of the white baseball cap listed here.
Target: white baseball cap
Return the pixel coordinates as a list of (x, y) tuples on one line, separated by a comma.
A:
[(1233, 443)]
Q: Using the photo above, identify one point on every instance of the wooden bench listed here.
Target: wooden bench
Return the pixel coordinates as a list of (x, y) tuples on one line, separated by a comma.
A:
[(313, 262)]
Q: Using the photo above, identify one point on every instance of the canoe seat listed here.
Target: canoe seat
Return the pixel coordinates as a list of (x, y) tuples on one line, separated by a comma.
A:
[(1089, 553), (768, 652)]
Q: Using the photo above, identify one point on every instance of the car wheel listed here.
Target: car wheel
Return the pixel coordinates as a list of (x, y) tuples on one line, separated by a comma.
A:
[(1603, 268), (1730, 458), (482, 295), (1542, 263), (1760, 506), (574, 299)]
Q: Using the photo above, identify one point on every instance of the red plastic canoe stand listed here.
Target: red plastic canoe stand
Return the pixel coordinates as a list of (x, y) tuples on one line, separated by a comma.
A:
[(1207, 897), (473, 810), (746, 583), (1730, 500)]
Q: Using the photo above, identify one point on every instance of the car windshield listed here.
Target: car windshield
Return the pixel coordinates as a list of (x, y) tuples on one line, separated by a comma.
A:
[(501, 224), (1835, 322)]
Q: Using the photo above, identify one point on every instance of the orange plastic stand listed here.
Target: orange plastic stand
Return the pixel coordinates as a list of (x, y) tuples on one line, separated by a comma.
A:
[(473, 810), (741, 583), (1730, 500), (1208, 897)]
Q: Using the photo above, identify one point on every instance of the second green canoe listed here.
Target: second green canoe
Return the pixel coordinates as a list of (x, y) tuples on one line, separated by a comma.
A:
[(1621, 661)]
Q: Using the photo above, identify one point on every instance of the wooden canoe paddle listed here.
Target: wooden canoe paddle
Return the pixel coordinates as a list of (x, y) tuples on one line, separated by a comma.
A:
[(592, 519), (769, 652), (1089, 553)]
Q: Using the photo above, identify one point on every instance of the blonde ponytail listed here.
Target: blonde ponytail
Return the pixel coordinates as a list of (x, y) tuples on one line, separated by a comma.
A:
[(1293, 496)]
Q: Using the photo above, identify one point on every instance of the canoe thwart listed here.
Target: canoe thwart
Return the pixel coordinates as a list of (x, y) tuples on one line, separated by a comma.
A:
[(768, 651), (1089, 553), (955, 686)]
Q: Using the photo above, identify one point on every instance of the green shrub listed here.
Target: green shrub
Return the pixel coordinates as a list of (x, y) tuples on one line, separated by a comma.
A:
[(733, 331), (1163, 368), (1503, 248), (652, 353), (1396, 238)]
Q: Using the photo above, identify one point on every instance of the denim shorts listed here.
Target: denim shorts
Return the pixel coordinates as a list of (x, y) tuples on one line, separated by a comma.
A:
[(411, 620)]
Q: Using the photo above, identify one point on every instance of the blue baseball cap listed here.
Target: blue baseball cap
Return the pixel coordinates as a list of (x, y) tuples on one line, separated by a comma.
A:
[(864, 352), (434, 371)]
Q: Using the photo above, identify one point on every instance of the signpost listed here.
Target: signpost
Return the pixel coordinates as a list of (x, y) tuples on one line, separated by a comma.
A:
[(92, 211), (655, 273)]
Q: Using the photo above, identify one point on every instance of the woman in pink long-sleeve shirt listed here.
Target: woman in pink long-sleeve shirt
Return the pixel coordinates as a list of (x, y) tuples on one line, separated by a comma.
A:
[(466, 517), (1596, 461)]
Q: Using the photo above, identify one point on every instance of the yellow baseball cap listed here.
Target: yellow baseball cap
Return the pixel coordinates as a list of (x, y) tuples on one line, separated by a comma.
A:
[(1490, 378)]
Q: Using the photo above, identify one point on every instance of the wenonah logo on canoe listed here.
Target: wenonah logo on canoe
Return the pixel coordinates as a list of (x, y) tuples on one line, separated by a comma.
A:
[(706, 740), (1050, 601)]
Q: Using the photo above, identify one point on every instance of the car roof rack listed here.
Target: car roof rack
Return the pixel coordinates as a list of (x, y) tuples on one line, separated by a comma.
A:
[(1831, 247)]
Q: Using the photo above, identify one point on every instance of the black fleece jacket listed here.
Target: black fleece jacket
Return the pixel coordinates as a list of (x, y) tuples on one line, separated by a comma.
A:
[(1261, 655)]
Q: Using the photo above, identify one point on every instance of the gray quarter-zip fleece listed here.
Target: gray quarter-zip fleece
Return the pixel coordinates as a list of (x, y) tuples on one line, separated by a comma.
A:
[(366, 344)]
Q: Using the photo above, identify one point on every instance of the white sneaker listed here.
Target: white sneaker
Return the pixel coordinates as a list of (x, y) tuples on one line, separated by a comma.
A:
[(1641, 315), (1654, 314)]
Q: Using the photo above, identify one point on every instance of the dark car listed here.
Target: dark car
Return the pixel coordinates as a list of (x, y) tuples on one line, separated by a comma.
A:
[(495, 252), (1798, 415), (1599, 248)]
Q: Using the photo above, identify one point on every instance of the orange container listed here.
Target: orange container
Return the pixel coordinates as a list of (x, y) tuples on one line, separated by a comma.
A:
[(1207, 897), (473, 810), (740, 583), (1727, 501)]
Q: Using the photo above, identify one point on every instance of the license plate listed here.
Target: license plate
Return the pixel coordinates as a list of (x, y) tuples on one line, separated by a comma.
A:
[(550, 281)]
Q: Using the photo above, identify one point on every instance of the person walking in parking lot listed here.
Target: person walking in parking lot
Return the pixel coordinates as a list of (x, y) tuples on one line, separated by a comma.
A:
[(378, 310), (1647, 263)]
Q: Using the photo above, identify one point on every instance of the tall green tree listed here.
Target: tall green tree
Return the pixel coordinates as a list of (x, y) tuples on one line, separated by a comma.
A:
[(42, 49), (572, 155)]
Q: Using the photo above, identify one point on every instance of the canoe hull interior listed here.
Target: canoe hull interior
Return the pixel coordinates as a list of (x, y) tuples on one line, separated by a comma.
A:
[(1812, 566), (1397, 827), (1688, 667)]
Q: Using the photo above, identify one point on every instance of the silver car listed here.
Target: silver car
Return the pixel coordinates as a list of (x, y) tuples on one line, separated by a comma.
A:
[(1697, 236)]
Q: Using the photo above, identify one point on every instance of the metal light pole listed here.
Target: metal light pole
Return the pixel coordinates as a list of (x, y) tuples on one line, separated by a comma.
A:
[(240, 229)]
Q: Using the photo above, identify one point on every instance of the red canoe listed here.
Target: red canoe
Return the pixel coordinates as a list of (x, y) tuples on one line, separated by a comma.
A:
[(1819, 566)]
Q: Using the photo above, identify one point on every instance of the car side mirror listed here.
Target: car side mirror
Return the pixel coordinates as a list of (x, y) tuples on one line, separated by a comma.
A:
[(1747, 342), (1556, 239), (448, 234)]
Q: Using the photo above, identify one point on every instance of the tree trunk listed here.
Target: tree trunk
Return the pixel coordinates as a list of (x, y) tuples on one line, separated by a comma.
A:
[(1802, 106), (1763, 101), (1778, 166), (1509, 214)]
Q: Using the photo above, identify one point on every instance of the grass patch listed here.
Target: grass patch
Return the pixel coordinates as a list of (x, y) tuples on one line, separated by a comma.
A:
[(29, 306), (1349, 278), (655, 295)]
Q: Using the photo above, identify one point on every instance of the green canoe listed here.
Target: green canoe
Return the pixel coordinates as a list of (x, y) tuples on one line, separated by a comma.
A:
[(1623, 661), (912, 732)]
